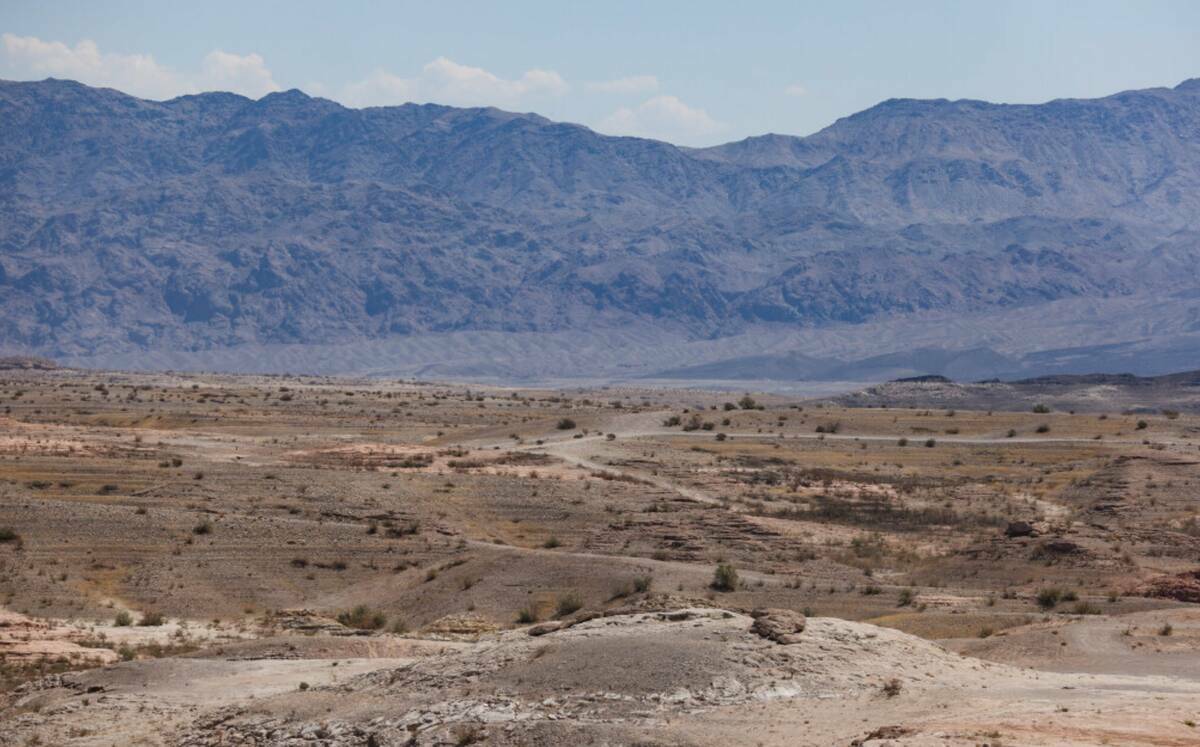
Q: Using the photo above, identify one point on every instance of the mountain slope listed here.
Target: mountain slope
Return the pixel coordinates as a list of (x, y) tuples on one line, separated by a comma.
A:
[(215, 222)]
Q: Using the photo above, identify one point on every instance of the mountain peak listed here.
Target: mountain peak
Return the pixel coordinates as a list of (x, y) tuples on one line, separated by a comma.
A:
[(290, 95)]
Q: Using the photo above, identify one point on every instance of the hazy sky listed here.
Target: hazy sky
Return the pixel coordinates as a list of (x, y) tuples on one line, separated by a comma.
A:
[(694, 73)]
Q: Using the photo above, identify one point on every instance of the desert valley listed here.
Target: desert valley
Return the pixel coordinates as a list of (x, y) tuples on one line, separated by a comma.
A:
[(218, 559)]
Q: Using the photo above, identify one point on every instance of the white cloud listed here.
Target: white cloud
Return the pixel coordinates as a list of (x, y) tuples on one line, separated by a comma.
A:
[(247, 75), (664, 118), (630, 84), (447, 82), (795, 89), (26, 57)]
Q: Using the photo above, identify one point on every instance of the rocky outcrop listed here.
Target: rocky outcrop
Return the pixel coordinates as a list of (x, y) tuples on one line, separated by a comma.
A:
[(1182, 587), (781, 626)]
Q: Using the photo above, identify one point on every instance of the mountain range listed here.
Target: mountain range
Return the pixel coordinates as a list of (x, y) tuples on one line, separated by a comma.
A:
[(293, 233)]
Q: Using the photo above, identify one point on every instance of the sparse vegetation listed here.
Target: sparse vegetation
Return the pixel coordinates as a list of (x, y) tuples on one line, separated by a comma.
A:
[(452, 513), (362, 617), (568, 603), (151, 619), (1049, 598), (725, 578)]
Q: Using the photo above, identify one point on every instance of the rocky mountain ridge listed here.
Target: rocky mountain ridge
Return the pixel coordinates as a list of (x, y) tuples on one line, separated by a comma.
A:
[(216, 223)]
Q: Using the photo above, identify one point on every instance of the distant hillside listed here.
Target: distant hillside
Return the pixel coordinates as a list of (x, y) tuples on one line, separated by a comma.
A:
[(1075, 393), (218, 231)]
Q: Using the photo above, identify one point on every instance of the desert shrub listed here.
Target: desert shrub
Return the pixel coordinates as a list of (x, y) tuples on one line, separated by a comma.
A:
[(1049, 598), (565, 424), (1041, 409), (362, 617), (721, 437), (747, 403), (902, 442), (123, 619), (725, 577), (642, 584), (1142, 425), (1043, 428), (1166, 629), (465, 734), (551, 543), (891, 688), (930, 443), (203, 527), (568, 603), (1085, 608), (8, 534), (906, 597), (672, 421), (527, 615), (152, 619)]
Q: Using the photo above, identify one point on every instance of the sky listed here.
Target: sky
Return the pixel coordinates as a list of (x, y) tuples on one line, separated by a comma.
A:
[(692, 73)]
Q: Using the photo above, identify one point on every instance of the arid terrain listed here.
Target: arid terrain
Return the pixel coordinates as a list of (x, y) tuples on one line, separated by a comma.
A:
[(283, 560)]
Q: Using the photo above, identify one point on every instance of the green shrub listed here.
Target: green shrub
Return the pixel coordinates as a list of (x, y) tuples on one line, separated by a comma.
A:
[(527, 615), (1048, 599), (568, 603), (725, 578), (123, 619)]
